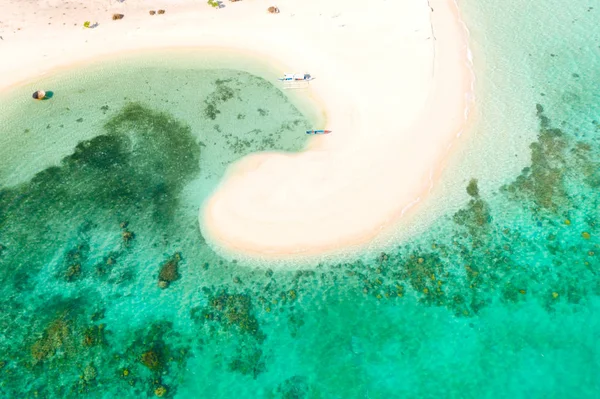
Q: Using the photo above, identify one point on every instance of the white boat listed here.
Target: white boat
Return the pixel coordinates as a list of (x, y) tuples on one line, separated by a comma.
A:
[(296, 77)]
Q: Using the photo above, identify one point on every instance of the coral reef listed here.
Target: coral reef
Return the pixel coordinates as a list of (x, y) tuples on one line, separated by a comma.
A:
[(544, 181), (222, 93), (73, 260), (58, 335), (248, 361), (86, 209), (231, 310), (295, 387), (94, 335)]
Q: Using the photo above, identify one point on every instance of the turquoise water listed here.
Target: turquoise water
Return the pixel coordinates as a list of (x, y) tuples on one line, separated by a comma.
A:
[(108, 289)]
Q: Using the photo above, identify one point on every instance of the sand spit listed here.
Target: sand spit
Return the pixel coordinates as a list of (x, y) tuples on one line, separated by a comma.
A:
[(407, 98)]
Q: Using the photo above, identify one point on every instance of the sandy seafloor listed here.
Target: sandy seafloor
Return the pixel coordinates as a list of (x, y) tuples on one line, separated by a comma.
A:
[(490, 290)]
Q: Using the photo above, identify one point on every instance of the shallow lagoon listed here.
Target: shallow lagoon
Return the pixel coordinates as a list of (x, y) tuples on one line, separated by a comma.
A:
[(98, 205)]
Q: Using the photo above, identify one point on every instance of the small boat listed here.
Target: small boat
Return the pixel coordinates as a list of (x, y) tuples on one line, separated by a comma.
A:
[(319, 131), (296, 77)]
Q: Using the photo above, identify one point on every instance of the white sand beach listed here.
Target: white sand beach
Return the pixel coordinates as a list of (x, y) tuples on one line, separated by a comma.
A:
[(394, 79)]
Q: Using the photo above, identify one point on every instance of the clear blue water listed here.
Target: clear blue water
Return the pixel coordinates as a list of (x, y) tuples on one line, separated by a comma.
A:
[(108, 289)]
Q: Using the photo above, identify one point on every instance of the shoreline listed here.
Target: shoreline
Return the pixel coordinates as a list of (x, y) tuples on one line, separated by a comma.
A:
[(371, 117)]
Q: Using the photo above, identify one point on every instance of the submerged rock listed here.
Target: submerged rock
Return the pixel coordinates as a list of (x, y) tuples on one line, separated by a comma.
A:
[(294, 387), (160, 391), (73, 272), (152, 359), (472, 188), (73, 260), (99, 315), (128, 236), (90, 373), (107, 264), (169, 271), (248, 361), (94, 335), (55, 337), (163, 284)]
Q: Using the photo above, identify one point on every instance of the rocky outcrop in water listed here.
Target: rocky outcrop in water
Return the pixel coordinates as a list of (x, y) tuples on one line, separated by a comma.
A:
[(169, 271)]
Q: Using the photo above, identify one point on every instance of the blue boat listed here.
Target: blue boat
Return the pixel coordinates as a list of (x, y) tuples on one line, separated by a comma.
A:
[(320, 131), (296, 77)]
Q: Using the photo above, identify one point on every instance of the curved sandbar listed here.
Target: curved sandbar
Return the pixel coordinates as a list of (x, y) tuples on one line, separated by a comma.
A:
[(397, 88)]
